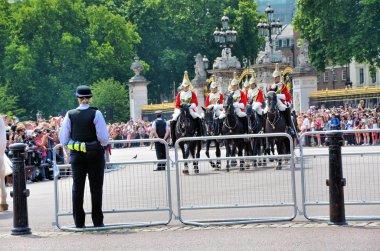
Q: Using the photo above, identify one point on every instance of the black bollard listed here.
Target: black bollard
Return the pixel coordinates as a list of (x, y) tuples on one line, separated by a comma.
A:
[(336, 182), (19, 193)]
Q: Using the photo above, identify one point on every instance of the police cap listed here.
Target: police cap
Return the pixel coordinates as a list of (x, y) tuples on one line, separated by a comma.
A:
[(158, 112), (83, 91)]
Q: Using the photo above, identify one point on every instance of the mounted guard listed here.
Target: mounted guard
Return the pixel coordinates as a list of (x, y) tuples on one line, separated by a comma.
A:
[(255, 96), (240, 102), (186, 97), (214, 101), (284, 98)]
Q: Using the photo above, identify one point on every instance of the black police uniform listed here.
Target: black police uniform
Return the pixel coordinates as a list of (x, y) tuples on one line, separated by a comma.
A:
[(91, 162), (160, 148)]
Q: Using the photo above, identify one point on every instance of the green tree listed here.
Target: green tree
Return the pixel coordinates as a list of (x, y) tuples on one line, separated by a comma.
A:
[(339, 30), (173, 32), (111, 97), (8, 102), (55, 45)]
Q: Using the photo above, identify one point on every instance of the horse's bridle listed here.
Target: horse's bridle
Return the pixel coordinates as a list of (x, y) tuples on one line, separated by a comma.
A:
[(276, 114), (252, 129), (210, 130), (228, 114), (181, 129)]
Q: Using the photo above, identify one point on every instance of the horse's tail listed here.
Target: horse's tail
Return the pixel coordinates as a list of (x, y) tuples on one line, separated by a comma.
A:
[(7, 165)]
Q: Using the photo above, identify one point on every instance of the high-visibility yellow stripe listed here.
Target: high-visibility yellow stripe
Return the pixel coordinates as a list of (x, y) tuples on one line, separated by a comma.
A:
[(76, 146)]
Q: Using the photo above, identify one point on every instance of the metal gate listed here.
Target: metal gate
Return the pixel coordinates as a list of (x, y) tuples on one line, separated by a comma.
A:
[(131, 191), (236, 197), (361, 171)]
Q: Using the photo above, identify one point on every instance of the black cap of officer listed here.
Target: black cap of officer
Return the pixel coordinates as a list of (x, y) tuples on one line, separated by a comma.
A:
[(83, 91), (158, 113)]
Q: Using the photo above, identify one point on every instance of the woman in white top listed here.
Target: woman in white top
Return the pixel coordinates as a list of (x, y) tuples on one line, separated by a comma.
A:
[(349, 125), (365, 123), (373, 125)]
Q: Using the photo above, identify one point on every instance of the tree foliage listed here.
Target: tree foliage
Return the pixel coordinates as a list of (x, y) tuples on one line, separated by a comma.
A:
[(339, 30), (8, 102), (48, 47), (55, 45), (173, 32), (108, 90)]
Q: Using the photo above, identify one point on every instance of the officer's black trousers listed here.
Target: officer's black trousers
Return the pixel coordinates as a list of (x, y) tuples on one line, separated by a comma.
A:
[(91, 163), (160, 153)]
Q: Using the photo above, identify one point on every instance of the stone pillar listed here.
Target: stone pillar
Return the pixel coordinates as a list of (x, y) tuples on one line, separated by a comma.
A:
[(303, 84), (199, 81), (138, 90)]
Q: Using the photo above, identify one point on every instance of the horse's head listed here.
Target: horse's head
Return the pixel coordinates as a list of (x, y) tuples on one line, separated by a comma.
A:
[(184, 109), (272, 101), (209, 116), (186, 124), (229, 104), (248, 110)]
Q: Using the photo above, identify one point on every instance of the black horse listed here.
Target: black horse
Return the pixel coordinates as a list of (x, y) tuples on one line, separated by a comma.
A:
[(211, 125), (186, 126), (232, 126), (275, 122), (255, 126)]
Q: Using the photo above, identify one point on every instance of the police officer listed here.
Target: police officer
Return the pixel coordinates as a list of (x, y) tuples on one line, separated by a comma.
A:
[(186, 96), (160, 129), (84, 132)]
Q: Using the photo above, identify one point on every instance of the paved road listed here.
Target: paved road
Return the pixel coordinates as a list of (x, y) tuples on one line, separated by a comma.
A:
[(298, 234)]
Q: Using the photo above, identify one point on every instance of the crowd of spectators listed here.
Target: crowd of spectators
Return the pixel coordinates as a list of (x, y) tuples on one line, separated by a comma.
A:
[(42, 136), (340, 118), (130, 130)]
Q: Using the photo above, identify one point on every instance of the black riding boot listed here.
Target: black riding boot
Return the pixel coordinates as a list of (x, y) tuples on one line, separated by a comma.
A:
[(218, 126), (220, 121), (244, 121), (264, 119), (172, 131), (288, 119)]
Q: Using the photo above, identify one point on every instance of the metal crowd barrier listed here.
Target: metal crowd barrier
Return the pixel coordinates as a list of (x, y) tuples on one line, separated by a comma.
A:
[(133, 195), (236, 197), (361, 171)]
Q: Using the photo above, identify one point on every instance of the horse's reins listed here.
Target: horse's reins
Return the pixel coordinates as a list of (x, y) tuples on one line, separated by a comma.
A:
[(276, 118), (182, 126), (227, 124)]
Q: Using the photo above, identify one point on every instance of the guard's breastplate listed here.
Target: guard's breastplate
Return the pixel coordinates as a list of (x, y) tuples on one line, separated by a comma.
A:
[(186, 97)]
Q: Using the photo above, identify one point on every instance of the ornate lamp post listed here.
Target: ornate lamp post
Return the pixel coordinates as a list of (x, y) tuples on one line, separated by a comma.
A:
[(269, 26), (205, 62), (226, 36)]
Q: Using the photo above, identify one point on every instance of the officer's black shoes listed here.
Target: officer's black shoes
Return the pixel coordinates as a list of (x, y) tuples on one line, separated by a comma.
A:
[(99, 225), (159, 169)]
